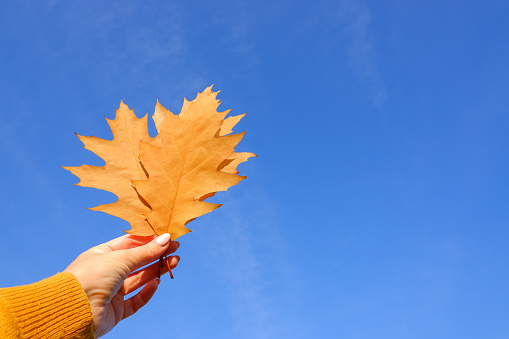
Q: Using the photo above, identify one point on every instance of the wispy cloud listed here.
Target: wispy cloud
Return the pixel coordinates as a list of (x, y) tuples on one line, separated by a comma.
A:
[(247, 248), (355, 18), (126, 45), (18, 156)]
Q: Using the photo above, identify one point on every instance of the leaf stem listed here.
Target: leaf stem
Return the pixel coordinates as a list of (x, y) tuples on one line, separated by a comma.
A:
[(161, 265)]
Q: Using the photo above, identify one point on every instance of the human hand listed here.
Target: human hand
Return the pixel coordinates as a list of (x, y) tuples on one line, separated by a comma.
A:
[(106, 273)]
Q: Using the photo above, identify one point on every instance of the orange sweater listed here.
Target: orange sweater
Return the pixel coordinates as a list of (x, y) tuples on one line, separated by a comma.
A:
[(56, 307)]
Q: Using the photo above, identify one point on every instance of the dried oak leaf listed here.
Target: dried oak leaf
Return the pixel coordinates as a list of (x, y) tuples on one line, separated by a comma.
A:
[(122, 166), (193, 161)]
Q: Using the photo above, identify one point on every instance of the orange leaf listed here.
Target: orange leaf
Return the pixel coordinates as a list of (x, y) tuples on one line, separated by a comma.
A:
[(184, 169), (122, 166)]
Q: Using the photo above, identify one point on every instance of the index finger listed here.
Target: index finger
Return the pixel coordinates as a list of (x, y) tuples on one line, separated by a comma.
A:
[(126, 241)]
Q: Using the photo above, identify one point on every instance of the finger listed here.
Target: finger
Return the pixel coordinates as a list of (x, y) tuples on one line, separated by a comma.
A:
[(174, 246), (139, 278), (126, 241), (143, 255), (133, 304)]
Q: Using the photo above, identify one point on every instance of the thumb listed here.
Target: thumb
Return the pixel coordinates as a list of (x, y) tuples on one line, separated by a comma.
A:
[(142, 255)]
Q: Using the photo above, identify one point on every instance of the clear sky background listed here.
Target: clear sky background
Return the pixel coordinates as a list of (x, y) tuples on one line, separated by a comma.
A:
[(378, 207)]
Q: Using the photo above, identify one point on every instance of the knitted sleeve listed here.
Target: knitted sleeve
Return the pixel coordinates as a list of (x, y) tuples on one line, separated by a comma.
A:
[(56, 307)]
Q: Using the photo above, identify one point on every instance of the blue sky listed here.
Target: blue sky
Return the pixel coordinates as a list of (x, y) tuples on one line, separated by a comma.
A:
[(377, 207)]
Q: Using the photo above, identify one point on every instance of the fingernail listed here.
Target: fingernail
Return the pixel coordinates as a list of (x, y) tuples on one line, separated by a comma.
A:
[(163, 239), (157, 280)]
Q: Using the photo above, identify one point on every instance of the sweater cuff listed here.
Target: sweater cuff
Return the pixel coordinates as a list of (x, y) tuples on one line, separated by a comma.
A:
[(56, 307)]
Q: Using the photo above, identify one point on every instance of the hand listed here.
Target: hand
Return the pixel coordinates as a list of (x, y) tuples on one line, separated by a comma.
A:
[(106, 274)]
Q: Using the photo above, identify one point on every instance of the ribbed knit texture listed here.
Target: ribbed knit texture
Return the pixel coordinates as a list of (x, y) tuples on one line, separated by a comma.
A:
[(56, 307)]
